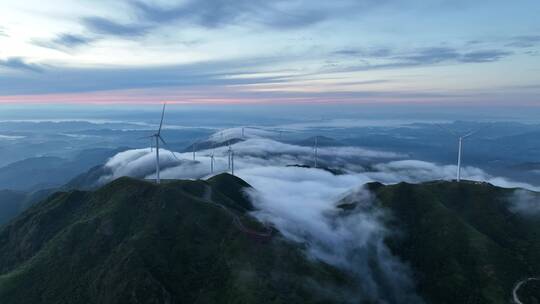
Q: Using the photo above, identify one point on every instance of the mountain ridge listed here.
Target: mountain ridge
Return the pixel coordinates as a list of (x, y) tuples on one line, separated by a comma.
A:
[(195, 240), (134, 241), (463, 240)]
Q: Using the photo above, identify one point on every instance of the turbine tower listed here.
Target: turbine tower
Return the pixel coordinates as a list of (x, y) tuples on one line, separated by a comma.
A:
[(460, 138), (157, 137), (229, 156), (212, 159), (232, 162), (316, 152), (193, 149), (212, 162)]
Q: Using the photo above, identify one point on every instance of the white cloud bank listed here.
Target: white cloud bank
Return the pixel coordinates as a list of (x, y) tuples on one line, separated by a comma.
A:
[(525, 202), (11, 137), (301, 202)]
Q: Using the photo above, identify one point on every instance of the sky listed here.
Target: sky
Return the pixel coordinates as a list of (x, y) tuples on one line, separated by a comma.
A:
[(417, 52)]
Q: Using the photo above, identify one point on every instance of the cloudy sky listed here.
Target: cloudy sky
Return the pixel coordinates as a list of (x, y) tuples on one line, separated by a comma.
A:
[(260, 51)]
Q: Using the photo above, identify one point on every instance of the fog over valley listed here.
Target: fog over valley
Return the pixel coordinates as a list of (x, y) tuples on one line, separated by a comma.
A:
[(269, 152), (303, 174)]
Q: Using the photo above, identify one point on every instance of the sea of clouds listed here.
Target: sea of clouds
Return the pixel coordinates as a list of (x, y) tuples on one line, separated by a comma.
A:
[(301, 201)]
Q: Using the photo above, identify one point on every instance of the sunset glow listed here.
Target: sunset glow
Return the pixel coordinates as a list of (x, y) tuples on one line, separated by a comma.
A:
[(125, 52)]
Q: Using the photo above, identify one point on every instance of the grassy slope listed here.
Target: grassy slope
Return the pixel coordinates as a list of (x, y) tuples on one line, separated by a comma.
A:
[(136, 242), (462, 241)]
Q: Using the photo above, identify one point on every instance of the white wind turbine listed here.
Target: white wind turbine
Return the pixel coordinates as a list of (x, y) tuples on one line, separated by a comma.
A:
[(316, 152), (158, 138), (460, 138), (232, 161), (230, 154), (229, 150), (212, 159), (194, 147), (212, 162)]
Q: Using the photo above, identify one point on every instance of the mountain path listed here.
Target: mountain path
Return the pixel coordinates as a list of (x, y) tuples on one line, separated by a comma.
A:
[(518, 286)]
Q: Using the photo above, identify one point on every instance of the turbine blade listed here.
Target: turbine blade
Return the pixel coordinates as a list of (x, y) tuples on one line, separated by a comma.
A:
[(162, 140), (168, 148), (469, 134), (161, 122), (476, 131)]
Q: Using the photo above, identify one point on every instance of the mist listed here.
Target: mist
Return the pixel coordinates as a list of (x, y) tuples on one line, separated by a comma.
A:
[(525, 202), (301, 202)]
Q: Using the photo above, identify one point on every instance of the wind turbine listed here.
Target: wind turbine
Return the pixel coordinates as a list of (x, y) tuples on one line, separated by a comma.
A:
[(158, 138), (229, 155), (316, 151), (194, 146), (460, 138), (212, 159), (212, 162), (460, 151), (232, 162)]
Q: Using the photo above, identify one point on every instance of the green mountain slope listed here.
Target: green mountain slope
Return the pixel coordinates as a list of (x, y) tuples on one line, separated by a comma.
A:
[(136, 242), (461, 239), (132, 241)]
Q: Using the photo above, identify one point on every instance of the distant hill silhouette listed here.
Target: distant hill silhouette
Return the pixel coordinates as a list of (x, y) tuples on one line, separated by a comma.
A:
[(50, 172)]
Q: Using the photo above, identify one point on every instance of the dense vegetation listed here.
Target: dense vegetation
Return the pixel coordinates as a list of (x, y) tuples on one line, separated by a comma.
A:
[(132, 241), (136, 242), (461, 239)]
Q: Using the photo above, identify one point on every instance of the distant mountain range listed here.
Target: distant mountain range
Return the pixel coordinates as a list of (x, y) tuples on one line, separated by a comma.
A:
[(48, 172), (26, 182), (183, 241), (322, 141), (12, 203)]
